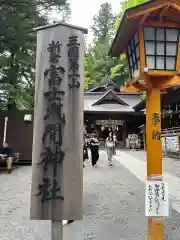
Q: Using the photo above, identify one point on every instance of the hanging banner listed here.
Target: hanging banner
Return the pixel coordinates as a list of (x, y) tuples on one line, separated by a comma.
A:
[(109, 123)]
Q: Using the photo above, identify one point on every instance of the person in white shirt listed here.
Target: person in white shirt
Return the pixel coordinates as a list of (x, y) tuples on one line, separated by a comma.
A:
[(109, 145)]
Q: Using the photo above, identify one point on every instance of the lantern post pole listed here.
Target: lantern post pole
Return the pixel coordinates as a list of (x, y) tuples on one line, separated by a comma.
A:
[(56, 230), (154, 153), (5, 129)]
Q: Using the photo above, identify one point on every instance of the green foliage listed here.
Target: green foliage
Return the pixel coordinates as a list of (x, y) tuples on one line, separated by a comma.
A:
[(98, 65), (125, 5), (103, 23), (143, 95), (121, 70), (97, 62), (18, 48)]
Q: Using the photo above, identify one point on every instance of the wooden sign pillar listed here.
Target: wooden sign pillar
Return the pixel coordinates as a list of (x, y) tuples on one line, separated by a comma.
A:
[(57, 159), (154, 153)]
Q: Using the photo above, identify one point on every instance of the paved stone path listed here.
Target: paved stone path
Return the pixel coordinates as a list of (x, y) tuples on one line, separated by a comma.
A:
[(135, 162), (113, 204)]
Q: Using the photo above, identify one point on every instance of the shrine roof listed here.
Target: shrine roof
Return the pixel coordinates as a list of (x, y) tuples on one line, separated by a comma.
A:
[(94, 102), (172, 96)]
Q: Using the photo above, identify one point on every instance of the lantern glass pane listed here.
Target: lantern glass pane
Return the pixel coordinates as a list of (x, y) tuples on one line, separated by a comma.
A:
[(150, 60), (134, 57), (137, 51), (149, 33), (138, 64), (132, 45), (150, 48), (130, 61), (172, 34), (129, 50), (132, 72), (160, 63), (170, 63), (136, 73), (136, 38), (160, 34), (171, 49), (160, 48)]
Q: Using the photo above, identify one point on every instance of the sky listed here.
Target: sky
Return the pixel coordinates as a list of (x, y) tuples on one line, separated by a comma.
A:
[(84, 10)]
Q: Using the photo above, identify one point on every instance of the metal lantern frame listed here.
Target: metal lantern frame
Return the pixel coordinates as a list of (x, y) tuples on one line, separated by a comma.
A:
[(133, 54), (161, 47)]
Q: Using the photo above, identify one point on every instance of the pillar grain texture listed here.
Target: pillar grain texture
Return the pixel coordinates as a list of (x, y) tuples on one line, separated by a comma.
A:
[(67, 119)]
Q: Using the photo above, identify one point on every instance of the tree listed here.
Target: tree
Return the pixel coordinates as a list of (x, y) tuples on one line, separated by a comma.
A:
[(18, 49), (97, 62), (125, 5), (103, 22), (45, 4), (120, 72)]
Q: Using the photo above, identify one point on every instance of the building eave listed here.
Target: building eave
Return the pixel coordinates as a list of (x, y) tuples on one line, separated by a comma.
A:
[(140, 106), (129, 25)]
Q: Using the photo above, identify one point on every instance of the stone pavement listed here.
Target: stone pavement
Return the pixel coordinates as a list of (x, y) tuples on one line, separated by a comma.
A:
[(135, 162), (113, 205), (169, 164)]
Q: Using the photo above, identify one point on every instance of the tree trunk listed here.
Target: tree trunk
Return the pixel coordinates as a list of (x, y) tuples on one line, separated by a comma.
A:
[(12, 80)]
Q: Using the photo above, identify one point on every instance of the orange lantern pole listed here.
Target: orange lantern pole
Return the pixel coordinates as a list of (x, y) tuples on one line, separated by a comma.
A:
[(154, 153), (152, 44)]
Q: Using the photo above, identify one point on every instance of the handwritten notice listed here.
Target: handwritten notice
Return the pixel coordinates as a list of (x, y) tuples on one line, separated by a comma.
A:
[(156, 199), (172, 143)]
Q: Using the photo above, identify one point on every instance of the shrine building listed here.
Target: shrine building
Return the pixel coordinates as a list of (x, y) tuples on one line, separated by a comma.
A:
[(106, 109)]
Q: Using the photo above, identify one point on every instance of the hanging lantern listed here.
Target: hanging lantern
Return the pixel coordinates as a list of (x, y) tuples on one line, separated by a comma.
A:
[(102, 128)]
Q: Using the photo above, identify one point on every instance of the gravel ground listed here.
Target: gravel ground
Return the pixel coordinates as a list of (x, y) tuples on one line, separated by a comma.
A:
[(113, 207)]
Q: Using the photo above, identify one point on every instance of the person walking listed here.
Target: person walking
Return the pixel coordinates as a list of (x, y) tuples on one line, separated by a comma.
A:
[(115, 141), (85, 148), (109, 145), (94, 146)]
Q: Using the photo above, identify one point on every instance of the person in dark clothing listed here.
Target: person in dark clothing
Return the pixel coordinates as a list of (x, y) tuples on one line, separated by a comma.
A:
[(67, 222), (85, 148), (94, 145), (70, 221), (88, 141), (6, 154)]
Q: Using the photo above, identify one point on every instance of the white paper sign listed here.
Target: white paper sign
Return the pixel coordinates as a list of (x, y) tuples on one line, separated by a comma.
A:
[(156, 199), (172, 143)]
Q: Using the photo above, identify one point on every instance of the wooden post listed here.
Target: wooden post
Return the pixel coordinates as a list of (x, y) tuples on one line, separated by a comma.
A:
[(5, 129), (56, 230), (57, 159), (154, 153)]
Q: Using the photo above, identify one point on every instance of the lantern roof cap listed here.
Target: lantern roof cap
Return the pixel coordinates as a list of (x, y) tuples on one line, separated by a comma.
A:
[(133, 16)]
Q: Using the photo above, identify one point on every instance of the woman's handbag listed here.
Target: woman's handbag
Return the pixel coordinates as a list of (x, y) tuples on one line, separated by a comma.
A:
[(110, 144)]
